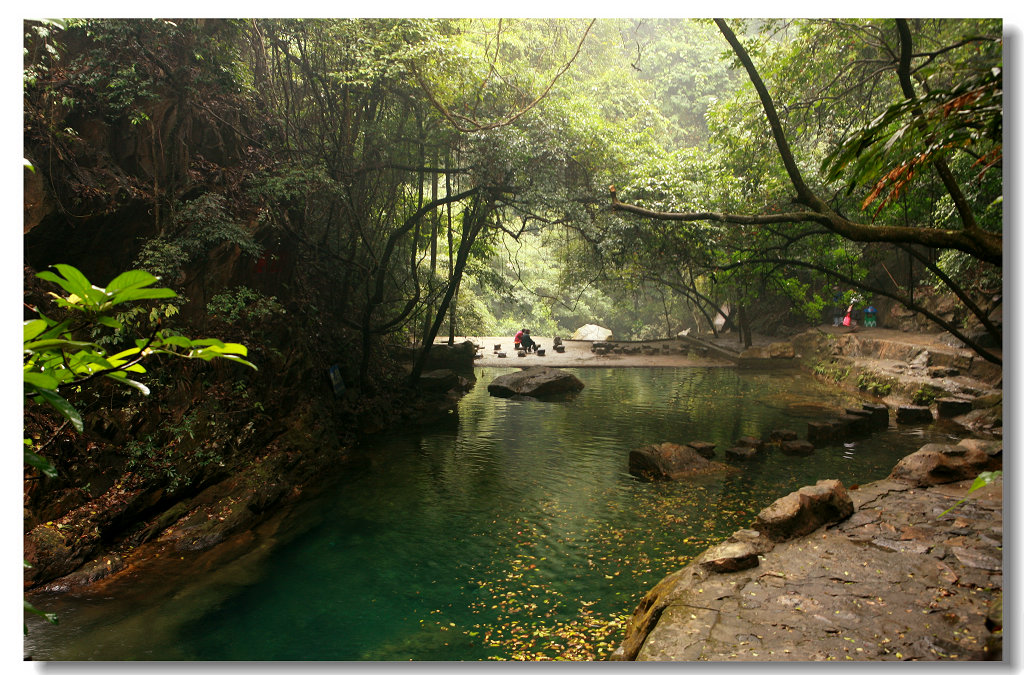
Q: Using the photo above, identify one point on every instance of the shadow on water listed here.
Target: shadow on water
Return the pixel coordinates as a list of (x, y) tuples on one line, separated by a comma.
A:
[(517, 534)]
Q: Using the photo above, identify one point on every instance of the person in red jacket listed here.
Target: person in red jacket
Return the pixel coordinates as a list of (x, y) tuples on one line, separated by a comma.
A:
[(523, 338)]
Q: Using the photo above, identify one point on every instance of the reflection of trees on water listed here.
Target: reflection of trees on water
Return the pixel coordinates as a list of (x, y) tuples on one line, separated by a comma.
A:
[(524, 518)]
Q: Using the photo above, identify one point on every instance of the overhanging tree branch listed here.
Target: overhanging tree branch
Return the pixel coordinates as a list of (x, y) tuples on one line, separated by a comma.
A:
[(903, 300), (972, 240)]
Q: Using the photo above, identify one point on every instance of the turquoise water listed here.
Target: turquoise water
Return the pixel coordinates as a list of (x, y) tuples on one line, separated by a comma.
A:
[(517, 534)]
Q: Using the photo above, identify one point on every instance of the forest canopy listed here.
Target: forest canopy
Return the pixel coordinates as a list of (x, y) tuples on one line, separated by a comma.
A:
[(413, 178)]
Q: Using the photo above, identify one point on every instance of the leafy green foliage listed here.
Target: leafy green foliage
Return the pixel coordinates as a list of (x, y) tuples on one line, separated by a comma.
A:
[(876, 384), (925, 395), (831, 370), (243, 304), (55, 361), (173, 452), (967, 116)]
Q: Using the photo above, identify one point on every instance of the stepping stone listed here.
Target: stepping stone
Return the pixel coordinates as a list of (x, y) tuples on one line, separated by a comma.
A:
[(741, 452), (822, 433), (796, 447), (750, 442), (855, 425), (914, 414), (779, 435), (703, 448), (879, 414), (952, 407)]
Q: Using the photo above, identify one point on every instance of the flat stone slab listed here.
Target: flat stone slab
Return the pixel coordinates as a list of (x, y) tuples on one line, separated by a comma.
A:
[(703, 448), (895, 581)]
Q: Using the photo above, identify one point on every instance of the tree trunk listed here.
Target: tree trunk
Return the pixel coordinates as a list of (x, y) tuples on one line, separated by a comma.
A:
[(473, 221), (744, 326)]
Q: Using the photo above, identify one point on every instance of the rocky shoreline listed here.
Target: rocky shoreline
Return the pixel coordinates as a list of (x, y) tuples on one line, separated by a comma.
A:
[(889, 574), (905, 568), (935, 592)]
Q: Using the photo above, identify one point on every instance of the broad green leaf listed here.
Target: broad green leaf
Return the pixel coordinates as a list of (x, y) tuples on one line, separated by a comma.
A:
[(142, 294), (41, 463), (177, 341), (121, 356), (207, 342), (49, 616), (43, 345), (62, 406), (46, 275), (33, 328), (79, 284), (40, 380), (131, 279), (109, 321)]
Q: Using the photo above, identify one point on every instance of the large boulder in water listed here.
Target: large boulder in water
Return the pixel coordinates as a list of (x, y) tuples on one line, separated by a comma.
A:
[(537, 382), (669, 461)]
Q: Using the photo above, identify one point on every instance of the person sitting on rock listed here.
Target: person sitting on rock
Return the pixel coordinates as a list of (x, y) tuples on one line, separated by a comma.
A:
[(523, 339)]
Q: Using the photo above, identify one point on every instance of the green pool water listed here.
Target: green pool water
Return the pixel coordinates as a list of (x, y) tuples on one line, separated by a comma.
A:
[(515, 534)]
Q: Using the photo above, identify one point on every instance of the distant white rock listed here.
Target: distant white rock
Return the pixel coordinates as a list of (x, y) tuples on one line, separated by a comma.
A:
[(591, 331)]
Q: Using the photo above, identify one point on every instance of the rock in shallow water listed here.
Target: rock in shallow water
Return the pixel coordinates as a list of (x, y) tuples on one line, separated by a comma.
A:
[(537, 382), (669, 461)]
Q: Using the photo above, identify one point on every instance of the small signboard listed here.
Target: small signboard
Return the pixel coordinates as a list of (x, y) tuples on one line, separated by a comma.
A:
[(336, 381)]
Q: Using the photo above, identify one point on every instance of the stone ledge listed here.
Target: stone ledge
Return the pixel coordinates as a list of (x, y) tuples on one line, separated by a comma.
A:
[(855, 590)]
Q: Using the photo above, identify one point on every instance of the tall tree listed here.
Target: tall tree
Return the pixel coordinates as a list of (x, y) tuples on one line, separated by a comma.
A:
[(914, 131)]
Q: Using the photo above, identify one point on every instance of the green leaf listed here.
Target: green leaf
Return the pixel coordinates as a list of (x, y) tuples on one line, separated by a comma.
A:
[(121, 378), (109, 321), (62, 406), (40, 463), (177, 341), (33, 328), (49, 616), (142, 294), (77, 282), (52, 344), (131, 279), (122, 356), (40, 380), (60, 281)]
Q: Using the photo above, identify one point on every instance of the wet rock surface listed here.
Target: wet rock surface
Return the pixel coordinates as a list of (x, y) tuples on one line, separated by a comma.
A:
[(536, 382), (894, 579), (669, 461)]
